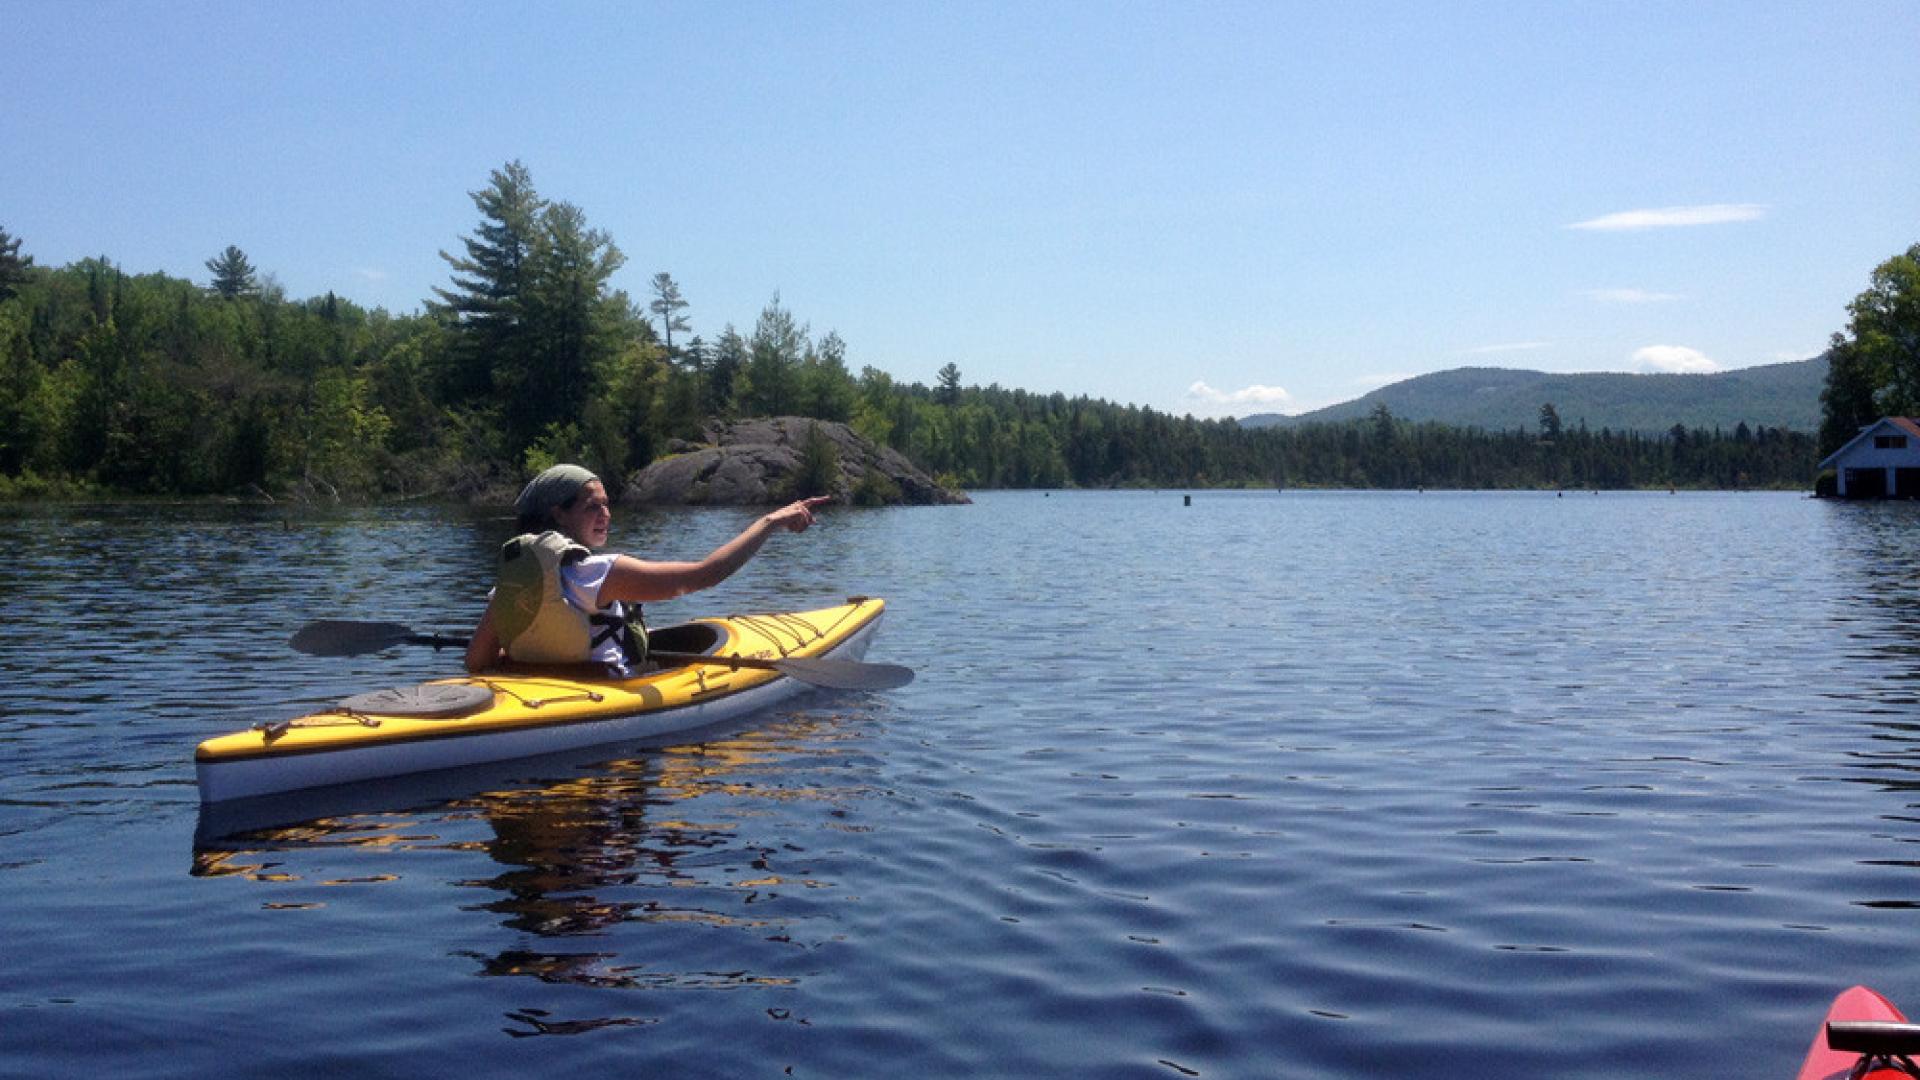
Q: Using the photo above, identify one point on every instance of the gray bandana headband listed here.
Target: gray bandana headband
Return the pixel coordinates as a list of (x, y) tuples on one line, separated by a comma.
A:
[(550, 489)]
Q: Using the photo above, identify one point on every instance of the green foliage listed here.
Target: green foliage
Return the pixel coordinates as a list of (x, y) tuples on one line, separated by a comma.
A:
[(827, 392), (722, 387), (770, 382), (1848, 401), (639, 406), (819, 471), (484, 308), (573, 323), (149, 384), (875, 489), (1550, 422), (1874, 368), (31, 485), (15, 268), (20, 390), (559, 444), (346, 431), (668, 304), (1012, 438)]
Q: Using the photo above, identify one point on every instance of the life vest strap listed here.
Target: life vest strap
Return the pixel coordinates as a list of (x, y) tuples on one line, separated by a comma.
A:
[(617, 624)]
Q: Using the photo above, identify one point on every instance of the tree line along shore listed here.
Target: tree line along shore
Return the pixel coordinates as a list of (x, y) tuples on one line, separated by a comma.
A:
[(117, 384)]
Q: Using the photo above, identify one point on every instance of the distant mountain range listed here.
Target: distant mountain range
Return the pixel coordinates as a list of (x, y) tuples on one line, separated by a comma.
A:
[(1502, 399)]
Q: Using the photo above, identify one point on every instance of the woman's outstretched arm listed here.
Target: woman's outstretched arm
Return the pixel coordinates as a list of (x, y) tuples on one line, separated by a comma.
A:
[(634, 580)]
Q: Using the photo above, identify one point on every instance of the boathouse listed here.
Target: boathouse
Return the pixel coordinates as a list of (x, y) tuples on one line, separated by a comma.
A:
[(1882, 462)]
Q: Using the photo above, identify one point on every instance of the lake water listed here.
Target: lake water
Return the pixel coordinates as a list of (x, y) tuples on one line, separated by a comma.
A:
[(1275, 784)]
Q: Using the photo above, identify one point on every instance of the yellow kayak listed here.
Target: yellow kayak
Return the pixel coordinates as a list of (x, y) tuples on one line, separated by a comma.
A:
[(475, 719)]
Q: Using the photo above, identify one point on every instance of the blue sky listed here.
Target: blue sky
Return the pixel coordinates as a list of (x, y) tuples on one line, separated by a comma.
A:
[(1216, 208)]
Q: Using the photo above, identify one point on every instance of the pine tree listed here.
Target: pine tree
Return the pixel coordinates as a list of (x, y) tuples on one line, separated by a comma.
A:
[(827, 391), (572, 324), (667, 304), (772, 373), (13, 266), (485, 304), (718, 396), (949, 392), (233, 275), (1549, 422)]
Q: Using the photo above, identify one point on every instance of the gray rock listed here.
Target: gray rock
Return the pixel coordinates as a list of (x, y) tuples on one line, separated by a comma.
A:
[(754, 463)]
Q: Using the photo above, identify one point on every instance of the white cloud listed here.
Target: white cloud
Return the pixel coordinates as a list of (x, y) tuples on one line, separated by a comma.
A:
[(1272, 397), (1672, 216), (1514, 346), (1630, 296), (370, 273), (1673, 360)]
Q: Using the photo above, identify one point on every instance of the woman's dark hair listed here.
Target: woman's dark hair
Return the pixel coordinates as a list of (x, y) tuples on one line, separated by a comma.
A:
[(543, 521)]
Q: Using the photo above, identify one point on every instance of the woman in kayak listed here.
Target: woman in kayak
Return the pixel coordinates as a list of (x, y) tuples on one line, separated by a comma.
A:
[(557, 602)]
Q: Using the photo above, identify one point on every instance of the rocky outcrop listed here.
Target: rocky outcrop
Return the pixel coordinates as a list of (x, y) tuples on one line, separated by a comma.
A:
[(762, 462)]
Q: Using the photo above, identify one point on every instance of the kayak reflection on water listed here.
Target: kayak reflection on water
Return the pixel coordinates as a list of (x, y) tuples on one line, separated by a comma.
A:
[(577, 856)]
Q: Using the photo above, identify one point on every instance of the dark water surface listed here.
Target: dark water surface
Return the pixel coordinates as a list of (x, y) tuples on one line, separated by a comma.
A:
[(1291, 784)]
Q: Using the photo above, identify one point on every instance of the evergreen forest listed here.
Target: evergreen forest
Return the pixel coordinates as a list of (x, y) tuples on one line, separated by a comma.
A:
[(117, 384)]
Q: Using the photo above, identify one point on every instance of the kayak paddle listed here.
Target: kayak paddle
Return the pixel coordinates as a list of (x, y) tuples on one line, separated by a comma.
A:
[(346, 637)]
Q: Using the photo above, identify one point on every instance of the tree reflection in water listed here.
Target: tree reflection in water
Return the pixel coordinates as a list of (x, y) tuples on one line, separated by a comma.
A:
[(1877, 555)]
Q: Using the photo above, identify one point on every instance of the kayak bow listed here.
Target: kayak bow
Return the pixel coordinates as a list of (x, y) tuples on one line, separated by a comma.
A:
[(1865, 1037)]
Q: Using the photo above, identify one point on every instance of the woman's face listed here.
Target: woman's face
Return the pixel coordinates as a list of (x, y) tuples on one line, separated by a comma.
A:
[(587, 519)]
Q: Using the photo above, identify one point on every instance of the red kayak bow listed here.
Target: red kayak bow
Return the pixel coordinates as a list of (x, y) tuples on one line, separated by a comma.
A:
[(1865, 1038)]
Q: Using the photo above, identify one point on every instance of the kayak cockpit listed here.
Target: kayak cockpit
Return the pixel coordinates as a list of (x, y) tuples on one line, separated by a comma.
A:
[(693, 637)]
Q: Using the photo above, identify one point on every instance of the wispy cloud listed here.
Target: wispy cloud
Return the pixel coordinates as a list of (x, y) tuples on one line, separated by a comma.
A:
[(1673, 360), (1274, 397), (1630, 296), (1511, 346), (370, 274), (1667, 217)]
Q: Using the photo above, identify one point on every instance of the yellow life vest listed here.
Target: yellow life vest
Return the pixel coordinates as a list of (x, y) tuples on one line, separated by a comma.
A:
[(535, 621)]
